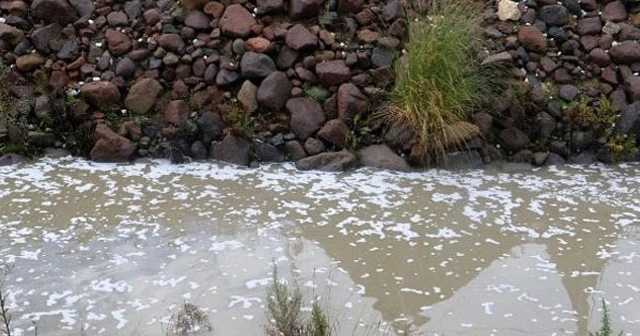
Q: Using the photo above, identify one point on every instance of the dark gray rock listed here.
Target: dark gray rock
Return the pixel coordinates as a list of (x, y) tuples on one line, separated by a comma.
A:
[(69, 51), (295, 150), (40, 37), (330, 162), (125, 68), (84, 8), (211, 126), (269, 153), (274, 91), (198, 20), (59, 11), (227, 77), (381, 156), (11, 159), (382, 57), (256, 65), (554, 15), (569, 92), (198, 151), (231, 149), (513, 139), (307, 117)]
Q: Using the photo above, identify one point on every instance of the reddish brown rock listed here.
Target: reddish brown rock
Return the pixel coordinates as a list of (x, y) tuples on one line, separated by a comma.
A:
[(335, 132), (176, 113), (269, 6), (532, 39), (172, 42), (306, 117), (59, 11), (194, 4), (614, 11), (626, 52), (350, 6), (100, 94), (29, 62), (382, 157), (10, 34), (333, 73), (142, 95), (110, 147), (599, 57), (351, 102), (117, 42), (214, 9), (237, 21), (258, 45), (300, 38)]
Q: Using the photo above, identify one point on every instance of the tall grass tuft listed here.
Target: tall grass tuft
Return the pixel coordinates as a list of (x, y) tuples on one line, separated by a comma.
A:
[(441, 80), (5, 315)]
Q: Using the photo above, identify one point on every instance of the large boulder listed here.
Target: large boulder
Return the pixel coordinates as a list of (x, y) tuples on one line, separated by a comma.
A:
[(236, 21), (59, 11), (330, 162), (256, 66), (142, 95), (232, 149), (11, 159), (381, 156), (100, 94), (274, 91), (111, 147), (306, 117)]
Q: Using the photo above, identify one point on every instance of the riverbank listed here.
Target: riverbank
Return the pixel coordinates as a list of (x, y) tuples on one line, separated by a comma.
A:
[(247, 82)]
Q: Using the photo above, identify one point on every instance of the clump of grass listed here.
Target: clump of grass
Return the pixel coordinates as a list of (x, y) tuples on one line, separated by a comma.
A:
[(285, 316), (607, 328), (440, 81), (622, 146), (190, 320), (600, 115)]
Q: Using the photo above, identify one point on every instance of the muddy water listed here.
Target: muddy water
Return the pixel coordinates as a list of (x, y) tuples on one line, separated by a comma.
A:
[(116, 249)]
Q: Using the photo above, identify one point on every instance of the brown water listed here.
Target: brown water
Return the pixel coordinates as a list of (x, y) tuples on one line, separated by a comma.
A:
[(105, 249)]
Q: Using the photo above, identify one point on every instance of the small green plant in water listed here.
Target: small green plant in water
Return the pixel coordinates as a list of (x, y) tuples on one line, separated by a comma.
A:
[(606, 329), (190, 320)]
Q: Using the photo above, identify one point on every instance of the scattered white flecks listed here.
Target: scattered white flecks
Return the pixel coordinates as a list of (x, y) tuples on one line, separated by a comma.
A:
[(118, 315), (251, 284), (171, 282), (245, 302), (487, 308), (54, 297), (106, 285), (348, 305)]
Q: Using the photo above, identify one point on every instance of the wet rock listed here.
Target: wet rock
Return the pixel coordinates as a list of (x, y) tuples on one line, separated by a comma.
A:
[(554, 15), (382, 157), (211, 126), (629, 119), (11, 159), (294, 150), (314, 146), (469, 159), (330, 162), (142, 95), (269, 6), (198, 151), (269, 153), (11, 34), (236, 21), (59, 11), (532, 39), (176, 113), (247, 96), (256, 66), (40, 37), (111, 147), (172, 42), (30, 62), (300, 38), (513, 139), (232, 149), (351, 102), (626, 52), (599, 57), (632, 86), (274, 91), (614, 11), (399, 136), (197, 20), (333, 73), (508, 10), (301, 9), (335, 132), (100, 94), (307, 117), (117, 42), (583, 158)]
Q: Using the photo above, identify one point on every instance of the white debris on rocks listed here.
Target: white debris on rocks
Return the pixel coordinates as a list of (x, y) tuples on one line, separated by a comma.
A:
[(508, 10)]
